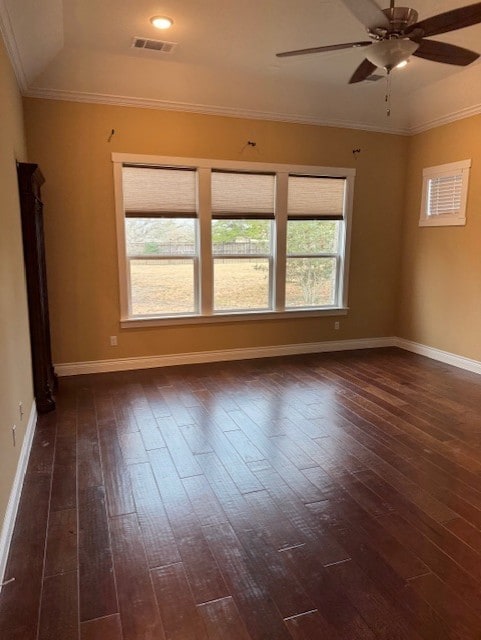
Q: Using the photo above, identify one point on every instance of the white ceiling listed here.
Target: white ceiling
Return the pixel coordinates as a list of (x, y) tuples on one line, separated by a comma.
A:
[(225, 60)]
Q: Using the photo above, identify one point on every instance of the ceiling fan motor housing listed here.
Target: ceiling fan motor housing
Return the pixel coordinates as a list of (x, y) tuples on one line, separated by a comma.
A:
[(399, 18)]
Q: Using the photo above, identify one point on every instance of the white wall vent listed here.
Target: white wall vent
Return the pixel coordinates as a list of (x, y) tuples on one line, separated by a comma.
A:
[(153, 45)]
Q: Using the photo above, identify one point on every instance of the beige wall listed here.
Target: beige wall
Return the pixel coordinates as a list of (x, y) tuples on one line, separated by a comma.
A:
[(69, 141), (440, 303), (15, 369)]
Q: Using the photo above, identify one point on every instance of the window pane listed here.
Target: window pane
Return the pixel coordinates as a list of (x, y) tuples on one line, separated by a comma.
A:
[(241, 284), (312, 236), (310, 282), (244, 237), (160, 236), (162, 286), (444, 194)]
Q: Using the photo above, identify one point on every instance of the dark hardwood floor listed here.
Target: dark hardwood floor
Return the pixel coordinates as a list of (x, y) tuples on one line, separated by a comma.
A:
[(333, 497)]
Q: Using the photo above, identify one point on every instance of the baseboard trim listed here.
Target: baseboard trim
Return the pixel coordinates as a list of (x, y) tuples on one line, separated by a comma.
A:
[(128, 364), (200, 357), (437, 354), (16, 492)]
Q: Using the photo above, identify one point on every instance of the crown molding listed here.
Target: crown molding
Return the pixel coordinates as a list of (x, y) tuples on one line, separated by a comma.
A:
[(461, 114), (8, 34), (249, 114), (165, 105)]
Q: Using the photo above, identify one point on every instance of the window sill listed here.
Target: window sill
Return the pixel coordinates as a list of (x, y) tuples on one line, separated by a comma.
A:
[(136, 323), (442, 221)]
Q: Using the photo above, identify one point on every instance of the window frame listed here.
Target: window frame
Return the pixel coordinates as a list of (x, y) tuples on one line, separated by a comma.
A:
[(462, 168), (205, 260)]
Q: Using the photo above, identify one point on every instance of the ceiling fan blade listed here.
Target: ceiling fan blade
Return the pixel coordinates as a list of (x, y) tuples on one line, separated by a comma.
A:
[(444, 52), (363, 71), (449, 21), (368, 13), (329, 47)]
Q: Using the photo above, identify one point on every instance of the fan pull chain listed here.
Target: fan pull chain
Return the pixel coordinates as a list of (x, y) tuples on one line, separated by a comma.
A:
[(387, 97)]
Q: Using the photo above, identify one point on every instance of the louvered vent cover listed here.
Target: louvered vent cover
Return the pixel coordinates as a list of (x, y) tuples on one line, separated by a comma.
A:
[(154, 45)]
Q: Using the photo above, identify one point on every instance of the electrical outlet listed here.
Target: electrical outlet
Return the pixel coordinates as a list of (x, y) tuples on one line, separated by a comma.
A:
[(14, 435), (113, 341), (20, 410), (337, 324)]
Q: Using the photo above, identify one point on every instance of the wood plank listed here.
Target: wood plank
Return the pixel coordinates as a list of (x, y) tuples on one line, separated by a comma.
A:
[(96, 582), (333, 602), (116, 474), (381, 615), (101, 629), (205, 502), (258, 611), (59, 616), (222, 620), (462, 621), (178, 411), (179, 613), (295, 478), (278, 529), (132, 447), (308, 626), (414, 609), (64, 481), (139, 613), (273, 574), (183, 458), (204, 576), (61, 553), (244, 447), (233, 462), (157, 535), (196, 438), (144, 417)]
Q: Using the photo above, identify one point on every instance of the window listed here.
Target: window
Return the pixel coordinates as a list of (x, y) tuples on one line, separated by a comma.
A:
[(315, 210), (243, 207), (444, 195), (202, 240), (161, 240)]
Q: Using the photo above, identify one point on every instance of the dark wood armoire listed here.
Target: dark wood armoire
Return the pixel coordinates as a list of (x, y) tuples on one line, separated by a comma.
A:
[(30, 180)]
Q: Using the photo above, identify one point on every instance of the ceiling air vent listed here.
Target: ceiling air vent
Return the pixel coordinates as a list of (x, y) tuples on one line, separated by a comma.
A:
[(154, 45)]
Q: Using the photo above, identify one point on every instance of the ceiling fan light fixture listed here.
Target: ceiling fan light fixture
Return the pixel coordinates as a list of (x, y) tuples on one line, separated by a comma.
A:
[(391, 53), (161, 22)]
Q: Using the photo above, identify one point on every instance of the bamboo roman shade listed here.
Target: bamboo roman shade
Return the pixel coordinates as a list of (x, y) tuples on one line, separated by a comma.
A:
[(159, 192), (243, 195), (315, 198)]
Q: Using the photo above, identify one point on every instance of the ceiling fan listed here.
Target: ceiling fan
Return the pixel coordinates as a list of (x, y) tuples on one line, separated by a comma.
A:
[(395, 35)]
